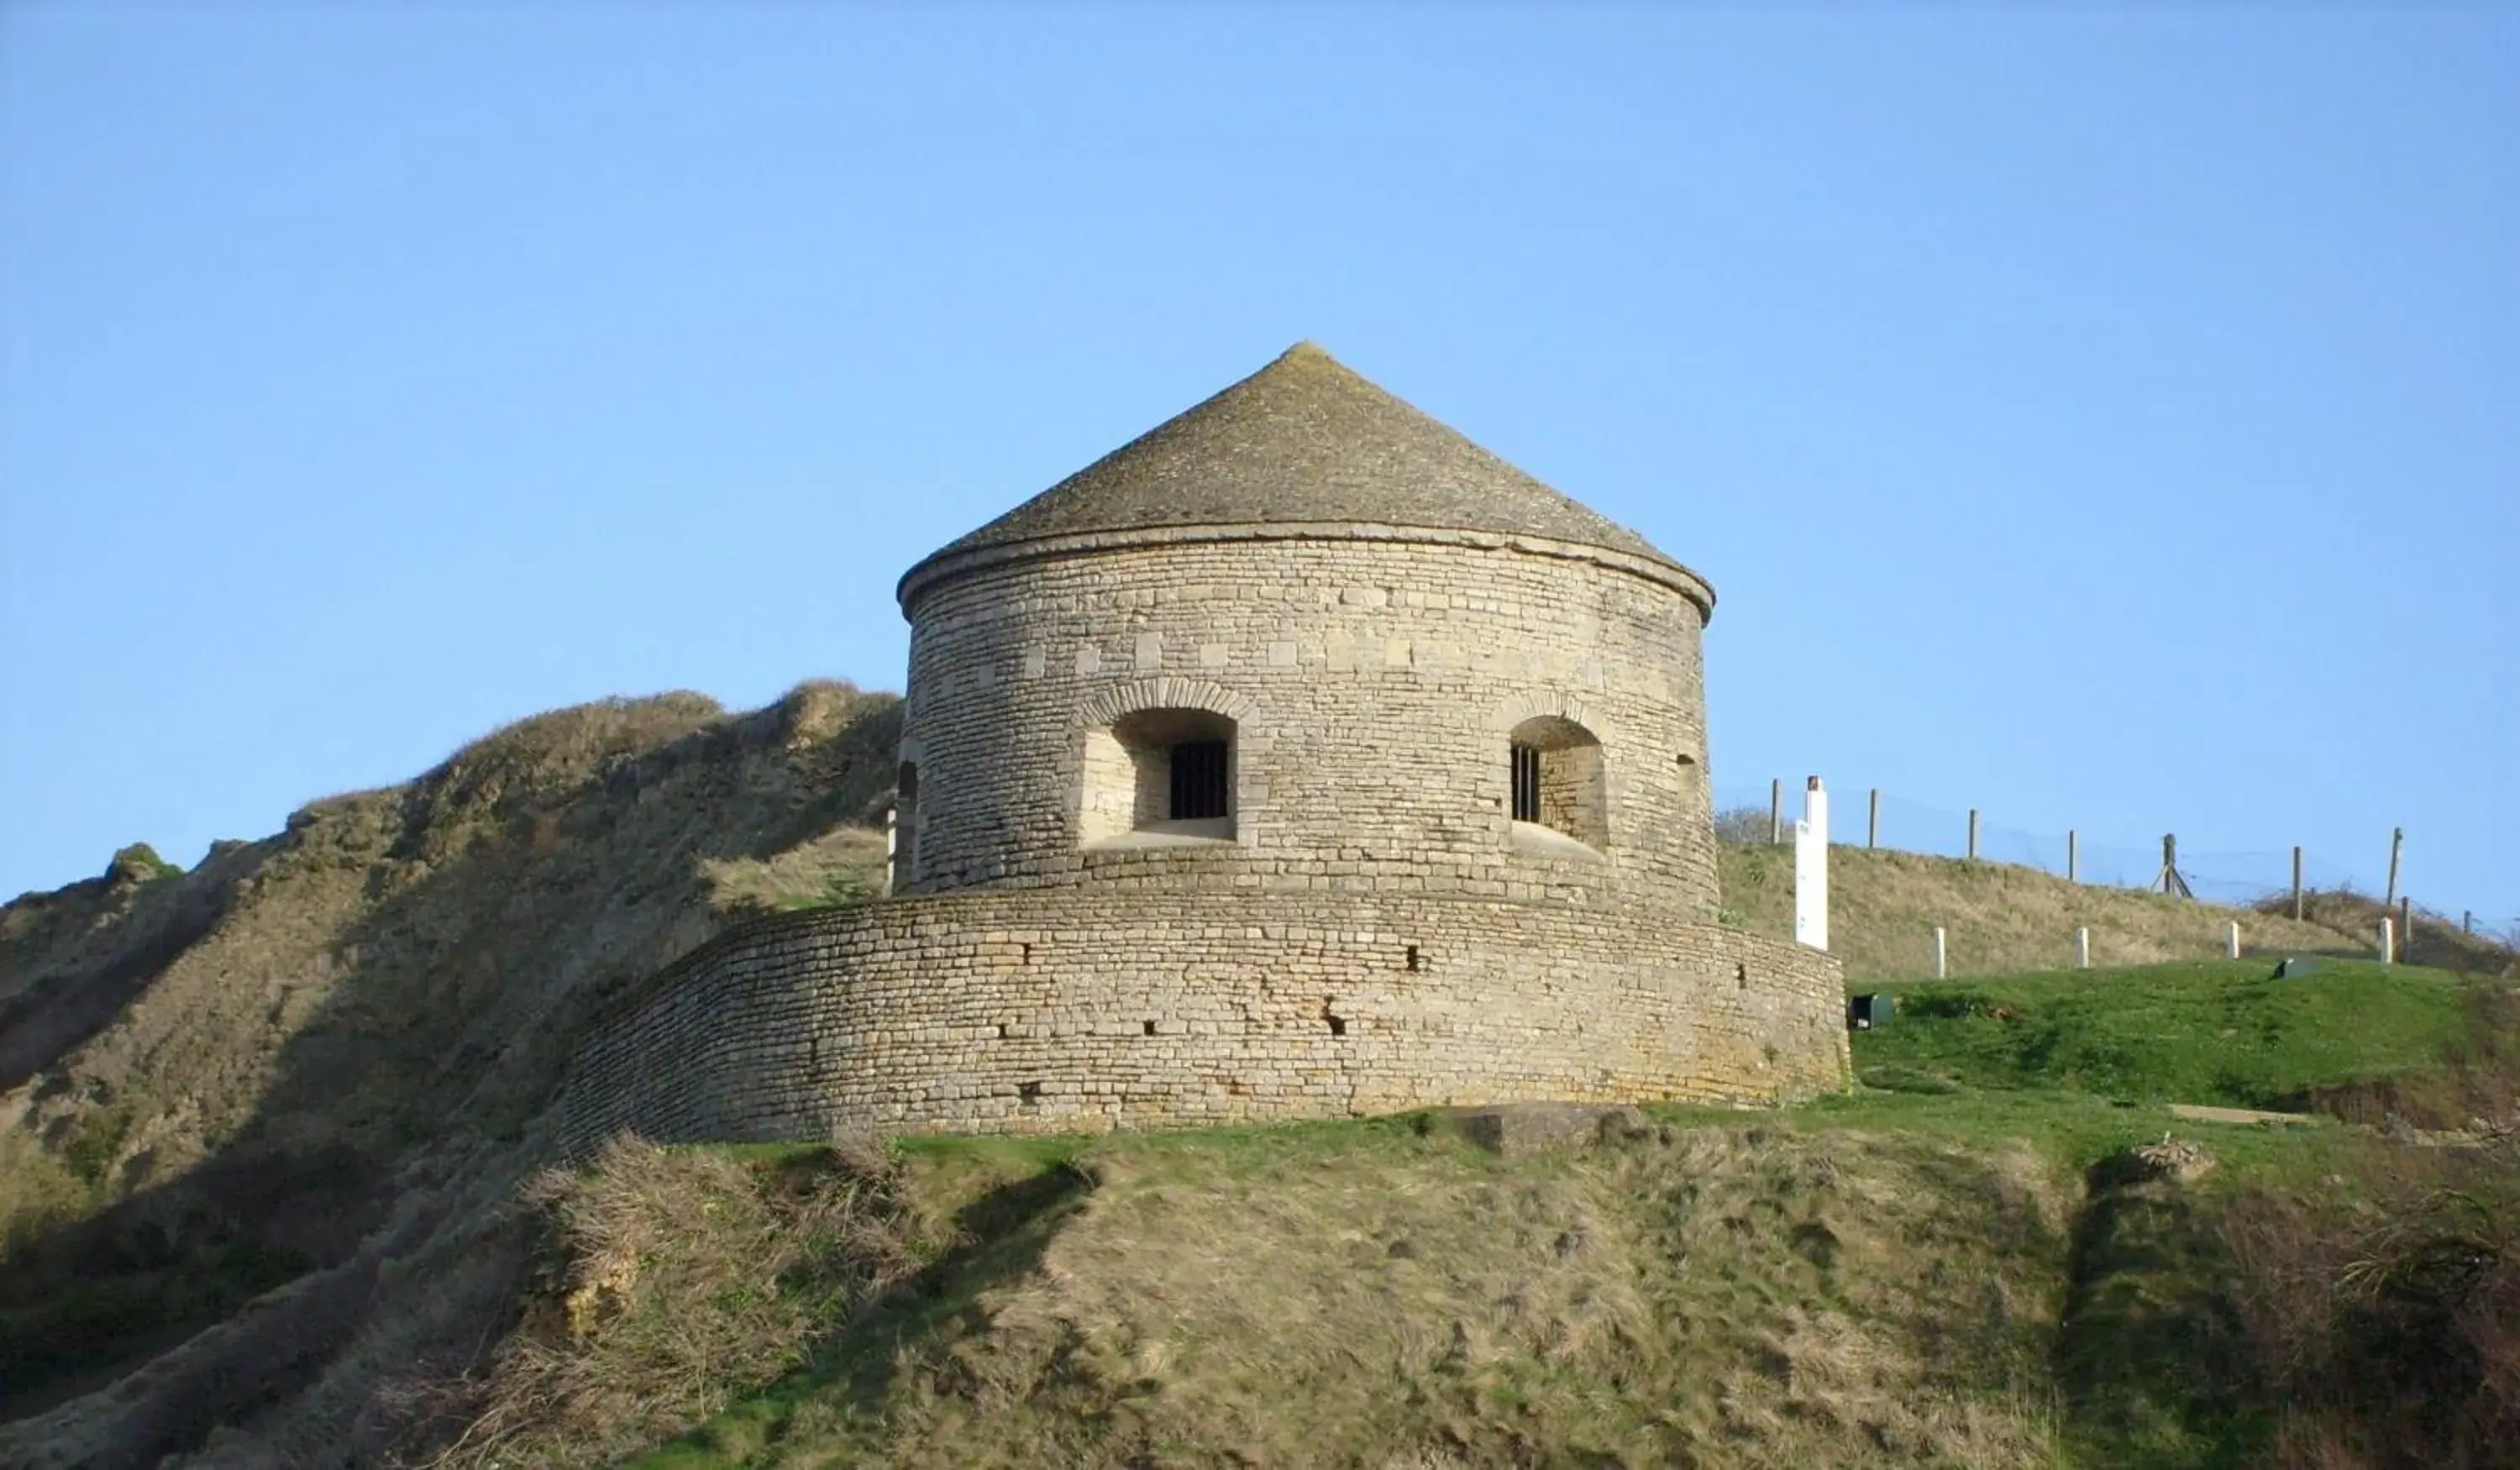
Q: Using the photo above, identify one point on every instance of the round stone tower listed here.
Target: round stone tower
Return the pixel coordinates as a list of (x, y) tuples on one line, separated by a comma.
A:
[(1299, 759), (1302, 638)]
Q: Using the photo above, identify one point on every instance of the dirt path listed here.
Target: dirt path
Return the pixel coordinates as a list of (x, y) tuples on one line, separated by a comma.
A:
[(2198, 1112)]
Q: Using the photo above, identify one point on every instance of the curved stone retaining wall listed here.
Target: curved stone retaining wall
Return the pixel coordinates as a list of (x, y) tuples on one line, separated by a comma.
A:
[(1042, 1012)]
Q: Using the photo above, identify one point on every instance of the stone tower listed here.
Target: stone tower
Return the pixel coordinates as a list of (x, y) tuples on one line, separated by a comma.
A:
[(1297, 759), (1302, 638)]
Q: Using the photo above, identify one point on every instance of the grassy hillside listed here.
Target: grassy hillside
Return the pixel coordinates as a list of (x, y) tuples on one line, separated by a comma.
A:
[(320, 1062), (2219, 1032), (1998, 919), (1373, 1295), (270, 1128), (1981, 1270)]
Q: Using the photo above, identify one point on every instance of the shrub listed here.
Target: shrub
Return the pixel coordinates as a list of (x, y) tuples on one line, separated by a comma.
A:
[(2386, 1329), (1949, 1005), (140, 864), (1743, 827), (669, 1281)]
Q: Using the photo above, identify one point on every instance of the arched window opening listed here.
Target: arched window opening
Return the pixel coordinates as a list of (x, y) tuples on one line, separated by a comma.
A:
[(1555, 769), (905, 825), (1158, 776), (1691, 776)]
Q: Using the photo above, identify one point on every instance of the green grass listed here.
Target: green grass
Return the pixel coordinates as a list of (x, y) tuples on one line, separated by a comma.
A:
[(2221, 1032), (1911, 1272), (95, 1142)]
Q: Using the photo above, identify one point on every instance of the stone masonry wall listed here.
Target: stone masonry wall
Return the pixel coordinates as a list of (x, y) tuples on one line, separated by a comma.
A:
[(1374, 677), (1056, 1012)]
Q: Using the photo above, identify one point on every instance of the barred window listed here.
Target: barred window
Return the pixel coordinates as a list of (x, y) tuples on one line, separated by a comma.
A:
[(1200, 783), (1527, 782), (1557, 779), (1157, 775)]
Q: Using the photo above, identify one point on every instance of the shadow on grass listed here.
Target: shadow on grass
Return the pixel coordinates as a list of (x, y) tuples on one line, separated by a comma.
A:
[(850, 1373), (2149, 1355)]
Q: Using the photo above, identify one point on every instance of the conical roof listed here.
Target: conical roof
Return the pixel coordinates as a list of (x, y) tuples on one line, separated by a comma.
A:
[(1302, 441)]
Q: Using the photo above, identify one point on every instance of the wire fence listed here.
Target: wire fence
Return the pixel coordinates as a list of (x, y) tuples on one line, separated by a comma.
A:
[(2240, 877)]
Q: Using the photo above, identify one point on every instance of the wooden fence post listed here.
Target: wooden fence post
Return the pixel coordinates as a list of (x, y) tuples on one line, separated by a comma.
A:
[(2407, 928), (1872, 822), (2073, 855), (2296, 882), (1972, 848), (2171, 881), (2397, 845), (1775, 810)]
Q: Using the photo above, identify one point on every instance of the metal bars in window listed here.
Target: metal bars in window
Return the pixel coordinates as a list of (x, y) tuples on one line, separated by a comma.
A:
[(1199, 781), (1527, 782)]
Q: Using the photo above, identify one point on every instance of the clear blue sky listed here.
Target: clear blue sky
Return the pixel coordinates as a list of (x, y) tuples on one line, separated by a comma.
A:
[(2106, 418)]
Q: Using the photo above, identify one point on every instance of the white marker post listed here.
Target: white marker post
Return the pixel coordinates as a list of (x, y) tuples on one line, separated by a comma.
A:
[(2082, 949), (1939, 968), (2388, 941), (2231, 951), (1810, 869)]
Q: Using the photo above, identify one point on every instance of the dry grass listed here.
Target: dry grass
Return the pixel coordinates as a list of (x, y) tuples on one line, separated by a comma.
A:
[(39, 1193), (841, 866), (262, 1055), (330, 1053), (2384, 1315), (2384, 1322), (1999, 918), (563, 747), (2435, 940), (1704, 1296), (672, 1279)]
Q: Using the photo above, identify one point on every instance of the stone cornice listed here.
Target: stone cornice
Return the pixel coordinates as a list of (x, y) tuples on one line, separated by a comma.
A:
[(945, 567)]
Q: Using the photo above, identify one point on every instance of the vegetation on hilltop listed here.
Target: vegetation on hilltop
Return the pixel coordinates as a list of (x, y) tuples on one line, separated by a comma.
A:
[(2008, 1269), (321, 1062), (2431, 939), (1998, 918), (272, 1133), (1385, 1293), (2222, 1032)]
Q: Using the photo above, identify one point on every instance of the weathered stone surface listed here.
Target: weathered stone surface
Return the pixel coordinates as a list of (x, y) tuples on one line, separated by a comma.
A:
[(2176, 1160), (1525, 1128), (1366, 613), (1350, 772), (1043, 1011)]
